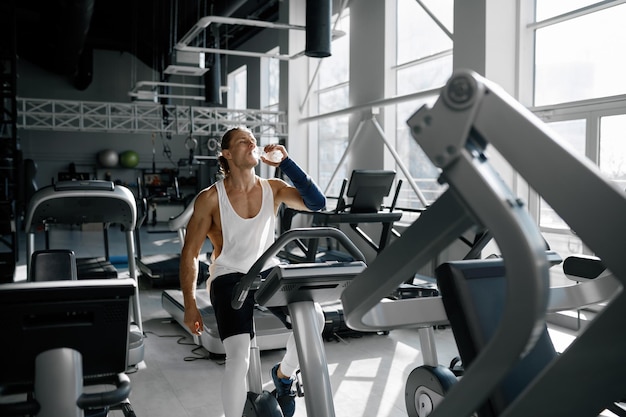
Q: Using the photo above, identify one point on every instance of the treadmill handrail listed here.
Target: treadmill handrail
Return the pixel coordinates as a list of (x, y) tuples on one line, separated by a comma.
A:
[(50, 193), (248, 280), (180, 221)]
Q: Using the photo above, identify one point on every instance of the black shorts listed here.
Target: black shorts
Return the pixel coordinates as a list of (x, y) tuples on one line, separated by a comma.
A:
[(231, 322)]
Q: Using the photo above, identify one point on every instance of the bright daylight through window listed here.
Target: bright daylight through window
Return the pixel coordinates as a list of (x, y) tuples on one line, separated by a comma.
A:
[(580, 91)]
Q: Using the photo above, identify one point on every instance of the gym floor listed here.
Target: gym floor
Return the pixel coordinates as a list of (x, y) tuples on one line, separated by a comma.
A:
[(177, 378)]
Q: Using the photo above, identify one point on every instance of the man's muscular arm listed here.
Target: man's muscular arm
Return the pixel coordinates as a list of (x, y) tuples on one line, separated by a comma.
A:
[(197, 230), (312, 196), (305, 194)]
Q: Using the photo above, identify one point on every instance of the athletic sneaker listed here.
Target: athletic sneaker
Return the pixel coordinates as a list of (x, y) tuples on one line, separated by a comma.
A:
[(284, 395)]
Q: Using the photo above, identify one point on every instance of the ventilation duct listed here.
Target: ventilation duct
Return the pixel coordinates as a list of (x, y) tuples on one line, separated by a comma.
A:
[(72, 26), (53, 35), (318, 30)]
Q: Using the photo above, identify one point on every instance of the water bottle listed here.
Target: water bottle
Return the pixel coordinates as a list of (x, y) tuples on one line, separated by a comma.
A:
[(274, 156)]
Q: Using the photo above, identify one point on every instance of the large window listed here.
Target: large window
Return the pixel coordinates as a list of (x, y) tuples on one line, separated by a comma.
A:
[(238, 88), (423, 62), (270, 85), (332, 94), (573, 133), (612, 157), (270, 80), (579, 90), (577, 56)]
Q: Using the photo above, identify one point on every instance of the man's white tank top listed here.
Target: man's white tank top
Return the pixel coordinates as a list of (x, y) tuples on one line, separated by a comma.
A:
[(244, 240)]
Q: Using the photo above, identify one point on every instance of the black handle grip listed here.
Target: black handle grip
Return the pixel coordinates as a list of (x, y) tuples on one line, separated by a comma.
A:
[(247, 281), (93, 400), (25, 408), (101, 399)]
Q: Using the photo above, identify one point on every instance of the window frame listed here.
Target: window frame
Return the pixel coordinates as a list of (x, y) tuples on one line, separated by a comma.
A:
[(393, 124), (591, 110)]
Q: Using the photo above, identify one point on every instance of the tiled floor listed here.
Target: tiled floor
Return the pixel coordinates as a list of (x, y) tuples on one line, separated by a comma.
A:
[(176, 378)]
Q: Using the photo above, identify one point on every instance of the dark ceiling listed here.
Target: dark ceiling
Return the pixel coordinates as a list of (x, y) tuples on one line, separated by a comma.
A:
[(57, 34)]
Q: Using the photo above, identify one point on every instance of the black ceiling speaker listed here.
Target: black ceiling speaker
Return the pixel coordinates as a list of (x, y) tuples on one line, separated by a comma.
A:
[(213, 82), (318, 28), (213, 77)]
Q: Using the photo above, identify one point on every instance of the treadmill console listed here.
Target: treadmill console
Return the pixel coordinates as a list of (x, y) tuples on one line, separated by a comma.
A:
[(84, 185)]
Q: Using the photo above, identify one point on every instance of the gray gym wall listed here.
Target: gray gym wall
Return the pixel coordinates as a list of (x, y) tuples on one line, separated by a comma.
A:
[(53, 151)]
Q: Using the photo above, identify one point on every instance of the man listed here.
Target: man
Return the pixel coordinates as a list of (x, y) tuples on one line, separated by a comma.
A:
[(238, 215)]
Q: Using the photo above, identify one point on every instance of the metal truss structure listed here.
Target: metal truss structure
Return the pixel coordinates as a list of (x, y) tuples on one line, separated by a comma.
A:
[(83, 116)]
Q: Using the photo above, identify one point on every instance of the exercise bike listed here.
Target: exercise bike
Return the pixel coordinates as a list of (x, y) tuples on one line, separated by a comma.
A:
[(300, 287)]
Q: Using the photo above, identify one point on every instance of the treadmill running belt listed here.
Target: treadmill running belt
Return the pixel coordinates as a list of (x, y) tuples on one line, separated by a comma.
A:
[(162, 269), (95, 268)]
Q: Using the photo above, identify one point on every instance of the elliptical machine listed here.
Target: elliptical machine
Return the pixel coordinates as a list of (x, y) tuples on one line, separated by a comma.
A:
[(300, 287)]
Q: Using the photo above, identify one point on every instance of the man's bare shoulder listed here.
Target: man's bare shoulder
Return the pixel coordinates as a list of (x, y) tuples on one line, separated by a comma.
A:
[(207, 197), (208, 191), (277, 183)]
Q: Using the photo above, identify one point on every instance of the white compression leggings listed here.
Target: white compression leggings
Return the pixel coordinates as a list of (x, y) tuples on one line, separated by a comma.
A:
[(234, 381)]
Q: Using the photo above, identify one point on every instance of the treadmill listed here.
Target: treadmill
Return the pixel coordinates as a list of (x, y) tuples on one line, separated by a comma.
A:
[(161, 269), (270, 331), (93, 201)]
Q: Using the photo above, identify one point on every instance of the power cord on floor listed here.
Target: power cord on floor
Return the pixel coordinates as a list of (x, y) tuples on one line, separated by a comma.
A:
[(180, 337), (205, 355)]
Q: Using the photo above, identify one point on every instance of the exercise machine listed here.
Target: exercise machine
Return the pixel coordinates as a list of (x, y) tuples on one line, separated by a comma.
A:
[(81, 202), (366, 191), (300, 287), (470, 114), (65, 347), (473, 293), (271, 332), (162, 269)]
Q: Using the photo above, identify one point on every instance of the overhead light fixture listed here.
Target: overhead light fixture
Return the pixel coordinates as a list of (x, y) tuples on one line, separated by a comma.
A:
[(188, 63), (203, 23)]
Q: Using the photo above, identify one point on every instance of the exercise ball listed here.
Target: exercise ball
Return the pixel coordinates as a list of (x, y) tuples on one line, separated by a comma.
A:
[(129, 159), (108, 158)]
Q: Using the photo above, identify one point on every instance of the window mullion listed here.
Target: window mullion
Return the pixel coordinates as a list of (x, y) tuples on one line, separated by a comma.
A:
[(592, 143)]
